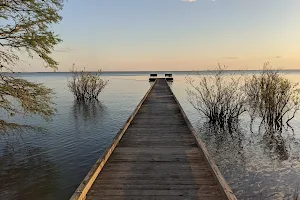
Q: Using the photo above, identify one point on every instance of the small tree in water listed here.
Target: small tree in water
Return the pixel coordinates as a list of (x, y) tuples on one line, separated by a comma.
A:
[(218, 97), (86, 85), (272, 97)]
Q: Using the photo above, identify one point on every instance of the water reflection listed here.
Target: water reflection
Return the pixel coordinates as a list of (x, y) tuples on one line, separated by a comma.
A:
[(92, 110), (256, 166), (226, 144), (275, 145), (26, 173)]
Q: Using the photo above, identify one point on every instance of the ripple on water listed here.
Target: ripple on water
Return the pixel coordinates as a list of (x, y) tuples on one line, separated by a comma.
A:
[(52, 163)]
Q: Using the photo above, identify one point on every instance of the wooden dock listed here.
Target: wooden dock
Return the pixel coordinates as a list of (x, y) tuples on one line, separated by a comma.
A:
[(157, 155)]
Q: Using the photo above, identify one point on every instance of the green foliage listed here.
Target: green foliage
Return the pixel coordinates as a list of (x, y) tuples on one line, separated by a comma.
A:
[(86, 85), (25, 27), (21, 97)]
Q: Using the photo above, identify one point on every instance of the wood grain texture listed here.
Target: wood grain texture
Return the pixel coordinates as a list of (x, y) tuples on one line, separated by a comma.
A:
[(158, 157)]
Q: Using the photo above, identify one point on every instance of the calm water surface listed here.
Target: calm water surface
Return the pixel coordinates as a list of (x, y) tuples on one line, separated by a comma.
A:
[(50, 164)]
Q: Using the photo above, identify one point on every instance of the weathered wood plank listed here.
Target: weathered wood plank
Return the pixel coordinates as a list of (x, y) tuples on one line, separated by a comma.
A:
[(159, 182), (156, 197), (201, 192), (157, 157), (153, 186)]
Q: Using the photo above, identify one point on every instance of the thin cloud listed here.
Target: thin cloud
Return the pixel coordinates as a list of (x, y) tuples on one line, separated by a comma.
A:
[(189, 1)]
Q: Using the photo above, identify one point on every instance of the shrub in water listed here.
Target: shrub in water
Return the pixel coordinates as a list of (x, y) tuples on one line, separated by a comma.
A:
[(86, 85), (272, 97), (218, 97)]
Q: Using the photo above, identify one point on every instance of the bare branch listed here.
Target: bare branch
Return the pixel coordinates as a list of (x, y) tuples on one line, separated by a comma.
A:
[(86, 85)]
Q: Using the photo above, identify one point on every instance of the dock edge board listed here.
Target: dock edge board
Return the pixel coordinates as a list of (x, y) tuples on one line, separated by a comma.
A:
[(224, 187), (86, 184)]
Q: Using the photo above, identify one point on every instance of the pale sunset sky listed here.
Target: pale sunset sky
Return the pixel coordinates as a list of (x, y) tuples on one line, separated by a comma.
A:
[(149, 35)]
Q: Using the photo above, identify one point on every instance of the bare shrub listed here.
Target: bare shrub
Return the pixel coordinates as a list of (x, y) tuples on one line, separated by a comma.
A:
[(218, 97), (86, 85), (272, 97)]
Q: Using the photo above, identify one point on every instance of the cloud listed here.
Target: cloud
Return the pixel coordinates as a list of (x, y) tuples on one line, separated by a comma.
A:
[(64, 49), (189, 1)]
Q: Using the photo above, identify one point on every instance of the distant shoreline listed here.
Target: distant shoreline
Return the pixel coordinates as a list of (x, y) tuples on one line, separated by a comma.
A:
[(143, 72)]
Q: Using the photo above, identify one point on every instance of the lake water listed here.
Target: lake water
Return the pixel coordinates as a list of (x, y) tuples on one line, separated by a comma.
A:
[(50, 164)]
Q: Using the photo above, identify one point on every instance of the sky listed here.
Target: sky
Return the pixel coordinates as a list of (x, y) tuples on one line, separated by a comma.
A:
[(150, 35)]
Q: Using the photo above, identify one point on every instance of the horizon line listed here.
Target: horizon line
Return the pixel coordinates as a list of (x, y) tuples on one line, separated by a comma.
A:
[(115, 71)]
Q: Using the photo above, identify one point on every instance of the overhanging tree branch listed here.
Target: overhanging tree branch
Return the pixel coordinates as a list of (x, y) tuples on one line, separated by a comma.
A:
[(25, 28)]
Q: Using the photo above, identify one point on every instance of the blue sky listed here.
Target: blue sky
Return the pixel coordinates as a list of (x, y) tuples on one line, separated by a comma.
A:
[(177, 35)]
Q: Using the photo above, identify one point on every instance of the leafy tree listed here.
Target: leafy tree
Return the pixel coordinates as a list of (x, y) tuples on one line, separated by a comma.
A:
[(25, 27)]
